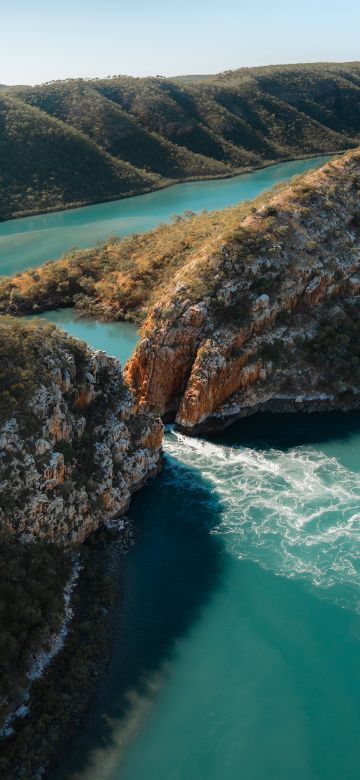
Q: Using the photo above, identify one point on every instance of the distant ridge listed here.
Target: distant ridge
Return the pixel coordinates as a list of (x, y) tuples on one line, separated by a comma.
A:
[(190, 78), (78, 141)]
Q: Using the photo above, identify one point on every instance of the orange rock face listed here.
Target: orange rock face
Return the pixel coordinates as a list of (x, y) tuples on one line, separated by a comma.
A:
[(245, 341), (151, 438), (158, 376), (84, 396), (205, 393), (160, 367), (55, 471)]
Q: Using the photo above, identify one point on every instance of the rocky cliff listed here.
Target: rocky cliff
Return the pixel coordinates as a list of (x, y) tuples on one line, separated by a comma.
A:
[(252, 307), (72, 448), (266, 314)]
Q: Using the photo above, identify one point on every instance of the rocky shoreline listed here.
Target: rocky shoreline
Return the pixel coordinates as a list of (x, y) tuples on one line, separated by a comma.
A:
[(319, 403), (52, 646), (73, 450), (39, 738)]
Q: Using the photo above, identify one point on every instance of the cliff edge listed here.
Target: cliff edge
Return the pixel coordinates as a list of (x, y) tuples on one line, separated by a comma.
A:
[(250, 308), (72, 447), (265, 315)]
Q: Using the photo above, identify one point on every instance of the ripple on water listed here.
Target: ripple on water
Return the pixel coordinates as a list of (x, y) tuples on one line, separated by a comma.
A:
[(294, 512)]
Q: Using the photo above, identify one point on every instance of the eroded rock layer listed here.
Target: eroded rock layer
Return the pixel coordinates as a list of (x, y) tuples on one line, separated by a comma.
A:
[(73, 451), (266, 316)]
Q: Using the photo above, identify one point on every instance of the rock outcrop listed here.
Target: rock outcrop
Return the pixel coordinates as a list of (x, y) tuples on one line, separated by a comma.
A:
[(72, 454), (267, 316)]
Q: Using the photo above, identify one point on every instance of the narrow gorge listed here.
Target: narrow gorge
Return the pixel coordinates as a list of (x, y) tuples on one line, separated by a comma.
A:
[(252, 308)]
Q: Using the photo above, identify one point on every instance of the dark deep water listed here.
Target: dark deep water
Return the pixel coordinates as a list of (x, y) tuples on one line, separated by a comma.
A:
[(238, 648)]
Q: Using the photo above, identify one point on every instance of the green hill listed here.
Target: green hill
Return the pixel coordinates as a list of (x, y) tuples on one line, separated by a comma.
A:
[(80, 141), (46, 164)]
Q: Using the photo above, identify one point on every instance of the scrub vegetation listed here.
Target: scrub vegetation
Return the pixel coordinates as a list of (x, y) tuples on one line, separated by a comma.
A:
[(32, 579), (27, 351), (122, 278)]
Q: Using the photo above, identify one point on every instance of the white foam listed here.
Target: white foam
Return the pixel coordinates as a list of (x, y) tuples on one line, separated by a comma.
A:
[(296, 512)]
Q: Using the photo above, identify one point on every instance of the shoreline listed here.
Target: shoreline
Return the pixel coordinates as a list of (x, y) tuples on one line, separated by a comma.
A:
[(45, 656), (60, 701), (276, 405), (174, 183)]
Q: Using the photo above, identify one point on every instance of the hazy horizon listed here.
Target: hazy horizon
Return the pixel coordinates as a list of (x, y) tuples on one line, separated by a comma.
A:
[(179, 75), (82, 39)]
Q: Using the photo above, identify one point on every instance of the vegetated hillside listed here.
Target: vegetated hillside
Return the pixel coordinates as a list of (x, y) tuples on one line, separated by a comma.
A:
[(253, 307), (32, 581), (120, 278), (45, 164), (72, 142), (323, 91)]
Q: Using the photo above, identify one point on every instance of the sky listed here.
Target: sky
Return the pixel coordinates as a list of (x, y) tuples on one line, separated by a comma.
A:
[(45, 40)]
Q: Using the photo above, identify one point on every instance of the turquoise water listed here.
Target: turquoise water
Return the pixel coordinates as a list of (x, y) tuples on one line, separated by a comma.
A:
[(115, 338), (238, 652), (32, 240), (238, 645)]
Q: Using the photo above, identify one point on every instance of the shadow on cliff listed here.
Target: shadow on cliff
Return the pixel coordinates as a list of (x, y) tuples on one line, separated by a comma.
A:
[(169, 577), (284, 431)]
